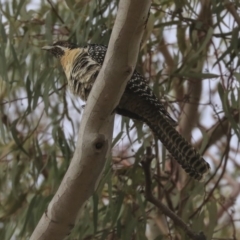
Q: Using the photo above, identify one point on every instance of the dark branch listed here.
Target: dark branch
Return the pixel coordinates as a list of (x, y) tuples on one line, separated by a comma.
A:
[(146, 164)]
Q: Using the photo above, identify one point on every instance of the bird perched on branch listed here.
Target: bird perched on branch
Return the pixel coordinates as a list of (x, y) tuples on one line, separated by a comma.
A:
[(82, 65)]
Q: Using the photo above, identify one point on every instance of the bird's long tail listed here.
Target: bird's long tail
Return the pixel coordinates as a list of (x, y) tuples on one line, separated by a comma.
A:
[(190, 160)]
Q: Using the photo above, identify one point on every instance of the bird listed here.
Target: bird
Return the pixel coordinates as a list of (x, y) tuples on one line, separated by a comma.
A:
[(82, 64)]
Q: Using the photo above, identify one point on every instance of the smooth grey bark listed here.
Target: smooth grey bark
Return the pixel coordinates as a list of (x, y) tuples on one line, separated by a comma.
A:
[(95, 133)]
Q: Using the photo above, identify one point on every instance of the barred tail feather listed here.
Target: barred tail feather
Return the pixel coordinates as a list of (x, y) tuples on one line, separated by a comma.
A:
[(190, 160), (135, 106)]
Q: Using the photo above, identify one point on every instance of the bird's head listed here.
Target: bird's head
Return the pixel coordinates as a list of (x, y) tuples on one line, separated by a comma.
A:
[(58, 49)]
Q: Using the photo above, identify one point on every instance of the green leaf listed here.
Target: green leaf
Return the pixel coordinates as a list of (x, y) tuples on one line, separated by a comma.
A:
[(203, 45), (20, 5), (48, 21), (18, 139), (117, 138), (181, 38), (213, 221), (95, 211), (70, 4), (29, 215), (116, 207), (223, 95), (205, 141), (47, 87)]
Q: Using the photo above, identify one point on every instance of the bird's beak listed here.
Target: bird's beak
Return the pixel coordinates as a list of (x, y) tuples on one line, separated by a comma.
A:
[(47, 48)]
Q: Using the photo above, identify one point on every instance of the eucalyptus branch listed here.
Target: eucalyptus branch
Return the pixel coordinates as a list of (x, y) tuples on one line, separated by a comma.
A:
[(95, 133)]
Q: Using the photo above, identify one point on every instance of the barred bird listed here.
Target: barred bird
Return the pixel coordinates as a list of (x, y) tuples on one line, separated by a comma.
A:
[(82, 65)]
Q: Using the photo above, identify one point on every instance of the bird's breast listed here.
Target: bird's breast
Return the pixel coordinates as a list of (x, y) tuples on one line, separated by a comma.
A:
[(81, 71)]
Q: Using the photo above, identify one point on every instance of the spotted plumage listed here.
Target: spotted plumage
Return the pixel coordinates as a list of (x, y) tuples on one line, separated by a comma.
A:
[(82, 65)]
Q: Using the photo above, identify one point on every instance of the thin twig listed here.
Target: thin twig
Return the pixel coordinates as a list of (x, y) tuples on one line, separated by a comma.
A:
[(226, 153), (146, 164), (58, 16), (231, 8)]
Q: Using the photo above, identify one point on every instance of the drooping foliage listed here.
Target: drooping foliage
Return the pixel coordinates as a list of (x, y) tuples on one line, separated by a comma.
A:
[(189, 54)]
